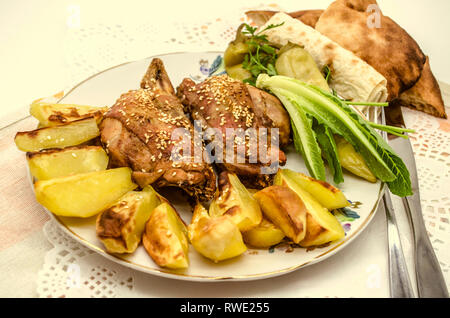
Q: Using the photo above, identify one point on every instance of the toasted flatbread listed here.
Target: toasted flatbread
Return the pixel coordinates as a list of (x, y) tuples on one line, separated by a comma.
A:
[(387, 48), (308, 17), (425, 95), (352, 78)]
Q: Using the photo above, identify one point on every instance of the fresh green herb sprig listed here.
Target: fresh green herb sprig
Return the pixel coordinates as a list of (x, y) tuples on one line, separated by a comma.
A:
[(262, 56), (366, 103), (326, 71), (396, 131)]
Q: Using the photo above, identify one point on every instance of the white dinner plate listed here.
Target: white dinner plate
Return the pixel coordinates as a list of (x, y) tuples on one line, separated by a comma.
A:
[(105, 87)]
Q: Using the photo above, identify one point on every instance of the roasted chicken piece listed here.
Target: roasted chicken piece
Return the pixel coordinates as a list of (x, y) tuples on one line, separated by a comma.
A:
[(137, 133), (229, 105)]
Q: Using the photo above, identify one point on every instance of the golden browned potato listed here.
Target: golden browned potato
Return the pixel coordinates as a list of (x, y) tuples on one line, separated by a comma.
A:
[(233, 199), (86, 194), (55, 163), (120, 227), (283, 207), (265, 235), (329, 196), (50, 114), (71, 134), (216, 238), (321, 226), (353, 161), (199, 213), (165, 238)]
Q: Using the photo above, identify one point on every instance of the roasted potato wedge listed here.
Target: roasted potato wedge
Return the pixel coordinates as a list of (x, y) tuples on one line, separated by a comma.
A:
[(329, 196), (199, 212), (265, 235), (353, 161), (165, 238), (120, 227), (84, 195), (216, 238), (57, 114), (283, 207), (233, 199), (55, 163), (321, 226), (71, 134)]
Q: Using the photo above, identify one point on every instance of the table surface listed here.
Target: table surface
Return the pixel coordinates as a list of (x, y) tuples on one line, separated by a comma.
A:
[(37, 47)]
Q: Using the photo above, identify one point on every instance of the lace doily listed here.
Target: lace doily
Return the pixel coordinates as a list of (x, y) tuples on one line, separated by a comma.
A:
[(431, 145), (71, 270), (94, 48)]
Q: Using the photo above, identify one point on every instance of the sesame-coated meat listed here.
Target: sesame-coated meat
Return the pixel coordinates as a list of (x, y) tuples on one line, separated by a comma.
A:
[(138, 132), (223, 103)]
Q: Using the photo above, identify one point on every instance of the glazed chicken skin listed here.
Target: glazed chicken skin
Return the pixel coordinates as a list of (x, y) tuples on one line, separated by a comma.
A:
[(137, 133), (221, 102)]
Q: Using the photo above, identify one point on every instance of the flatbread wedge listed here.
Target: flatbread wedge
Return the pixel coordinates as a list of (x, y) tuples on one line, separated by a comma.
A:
[(385, 46), (352, 78), (425, 95)]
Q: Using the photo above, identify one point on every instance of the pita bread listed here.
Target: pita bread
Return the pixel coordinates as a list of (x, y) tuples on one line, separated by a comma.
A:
[(425, 95), (388, 48), (308, 17), (352, 78)]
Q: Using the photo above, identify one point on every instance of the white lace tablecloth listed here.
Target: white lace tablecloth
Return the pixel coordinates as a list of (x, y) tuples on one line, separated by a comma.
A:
[(71, 270)]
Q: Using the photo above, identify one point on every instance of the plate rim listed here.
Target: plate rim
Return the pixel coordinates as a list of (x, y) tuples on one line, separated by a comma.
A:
[(167, 273)]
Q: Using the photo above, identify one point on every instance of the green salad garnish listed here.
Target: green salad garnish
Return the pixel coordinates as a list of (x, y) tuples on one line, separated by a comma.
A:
[(306, 103), (261, 57)]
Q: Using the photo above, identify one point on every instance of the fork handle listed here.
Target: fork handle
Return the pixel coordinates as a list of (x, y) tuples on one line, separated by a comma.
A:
[(430, 281), (400, 284)]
